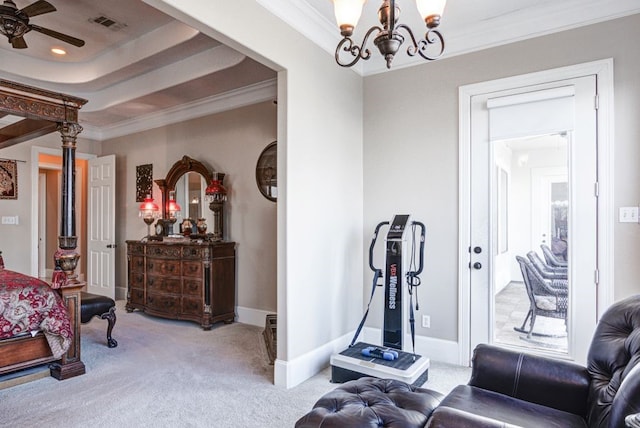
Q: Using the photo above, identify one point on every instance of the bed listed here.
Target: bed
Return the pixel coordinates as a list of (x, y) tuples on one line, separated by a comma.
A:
[(36, 326), (57, 341)]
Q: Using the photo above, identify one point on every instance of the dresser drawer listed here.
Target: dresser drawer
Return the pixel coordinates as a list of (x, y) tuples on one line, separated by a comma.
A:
[(137, 263), (192, 269), (193, 252), (136, 279), (163, 284), (136, 296), (163, 267), (191, 306), (163, 303), (135, 249), (192, 287)]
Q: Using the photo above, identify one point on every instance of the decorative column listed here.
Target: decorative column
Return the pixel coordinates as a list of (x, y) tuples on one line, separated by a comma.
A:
[(67, 255)]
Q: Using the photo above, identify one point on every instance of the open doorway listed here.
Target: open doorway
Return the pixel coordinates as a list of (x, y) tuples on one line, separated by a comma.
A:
[(47, 168)]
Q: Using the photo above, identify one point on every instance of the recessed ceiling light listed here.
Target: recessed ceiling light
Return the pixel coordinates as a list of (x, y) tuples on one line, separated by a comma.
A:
[(58, 51)]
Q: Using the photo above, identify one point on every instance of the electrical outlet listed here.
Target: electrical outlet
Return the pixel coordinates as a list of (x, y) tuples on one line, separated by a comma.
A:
[(628, 215), (426, 321)]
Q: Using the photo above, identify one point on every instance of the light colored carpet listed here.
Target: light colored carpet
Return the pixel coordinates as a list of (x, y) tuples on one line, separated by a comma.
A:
[(168, 373)]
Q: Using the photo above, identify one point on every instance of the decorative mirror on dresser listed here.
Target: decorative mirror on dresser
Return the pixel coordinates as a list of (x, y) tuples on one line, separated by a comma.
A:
[(184, 272)]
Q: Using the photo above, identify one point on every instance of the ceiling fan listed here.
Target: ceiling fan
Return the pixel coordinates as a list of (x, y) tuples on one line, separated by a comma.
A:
[(14, 23)]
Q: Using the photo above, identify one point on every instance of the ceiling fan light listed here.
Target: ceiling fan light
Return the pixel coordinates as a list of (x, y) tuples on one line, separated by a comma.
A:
[(430, 9), (347, 14)]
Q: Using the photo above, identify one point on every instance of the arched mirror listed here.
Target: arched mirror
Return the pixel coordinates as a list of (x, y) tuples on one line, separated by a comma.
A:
[(190, 195), (187, 181)]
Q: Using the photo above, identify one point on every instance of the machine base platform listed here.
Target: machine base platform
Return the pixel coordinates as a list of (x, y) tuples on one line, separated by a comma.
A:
[(350, 364)]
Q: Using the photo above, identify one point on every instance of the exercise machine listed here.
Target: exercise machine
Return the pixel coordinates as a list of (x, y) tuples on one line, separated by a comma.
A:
[(392, 358)]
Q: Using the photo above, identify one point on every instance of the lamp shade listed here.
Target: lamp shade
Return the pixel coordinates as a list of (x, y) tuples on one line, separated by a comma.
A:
[(347, 12), (174, 206), (149, 208), (429, 8), (216, 192)]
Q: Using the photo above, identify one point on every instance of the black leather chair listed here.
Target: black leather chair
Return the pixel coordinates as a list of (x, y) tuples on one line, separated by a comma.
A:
[(94, 305), (510, 389)]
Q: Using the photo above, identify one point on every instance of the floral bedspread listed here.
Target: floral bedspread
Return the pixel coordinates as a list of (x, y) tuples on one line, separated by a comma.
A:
[(28, 304)]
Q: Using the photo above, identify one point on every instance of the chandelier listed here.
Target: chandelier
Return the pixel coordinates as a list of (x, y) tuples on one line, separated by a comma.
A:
[(388, 38)]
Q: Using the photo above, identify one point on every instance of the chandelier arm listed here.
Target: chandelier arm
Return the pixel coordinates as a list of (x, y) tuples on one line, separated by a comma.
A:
[(359, 52), (420, 47)]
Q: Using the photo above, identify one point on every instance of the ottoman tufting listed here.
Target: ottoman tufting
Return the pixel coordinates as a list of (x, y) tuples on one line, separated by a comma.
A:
[(373, 402)]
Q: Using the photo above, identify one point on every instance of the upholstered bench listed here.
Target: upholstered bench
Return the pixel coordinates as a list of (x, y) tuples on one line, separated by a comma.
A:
[(94, 305), (372, 402)]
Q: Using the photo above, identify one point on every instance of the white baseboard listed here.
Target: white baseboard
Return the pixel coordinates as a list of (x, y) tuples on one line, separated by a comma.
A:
[(444, 351), (288, 374), (121, 293), (250, 316)]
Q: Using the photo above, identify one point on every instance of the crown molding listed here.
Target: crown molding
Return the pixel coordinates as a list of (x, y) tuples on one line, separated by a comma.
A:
[(76, 73), (512, 27), (248, 95)]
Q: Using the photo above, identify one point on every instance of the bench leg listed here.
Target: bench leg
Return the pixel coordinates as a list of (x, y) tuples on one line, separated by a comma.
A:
[(111, 322)]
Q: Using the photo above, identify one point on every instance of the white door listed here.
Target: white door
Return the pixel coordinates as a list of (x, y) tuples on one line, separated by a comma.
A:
[(546, 183), (101, 224), (510, 119), (42, 225)]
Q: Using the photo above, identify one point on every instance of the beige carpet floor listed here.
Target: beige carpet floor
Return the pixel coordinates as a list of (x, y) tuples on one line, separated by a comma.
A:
[(168, 373)]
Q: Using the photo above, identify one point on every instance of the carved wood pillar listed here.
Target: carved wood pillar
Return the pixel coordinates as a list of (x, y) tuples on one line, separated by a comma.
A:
[(66, 255)]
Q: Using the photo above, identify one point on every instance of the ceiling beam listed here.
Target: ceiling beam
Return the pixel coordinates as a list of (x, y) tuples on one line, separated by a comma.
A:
[(25, 130)]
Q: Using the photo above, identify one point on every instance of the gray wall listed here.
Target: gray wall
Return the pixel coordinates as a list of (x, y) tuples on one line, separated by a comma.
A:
[(228, 142), (411, 148)]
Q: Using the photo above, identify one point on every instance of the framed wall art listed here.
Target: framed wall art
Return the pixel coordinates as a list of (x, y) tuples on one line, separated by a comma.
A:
[(144, 181), (8, 179)]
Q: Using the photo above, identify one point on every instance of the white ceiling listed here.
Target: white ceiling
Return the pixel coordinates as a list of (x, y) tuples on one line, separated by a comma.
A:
[(148, 68)]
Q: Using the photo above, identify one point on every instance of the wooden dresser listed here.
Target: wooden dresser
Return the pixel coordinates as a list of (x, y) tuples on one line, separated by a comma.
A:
[(183, 280)]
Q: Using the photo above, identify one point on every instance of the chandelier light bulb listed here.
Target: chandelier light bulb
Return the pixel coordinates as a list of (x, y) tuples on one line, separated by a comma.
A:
[(347, 14), (430, 8)]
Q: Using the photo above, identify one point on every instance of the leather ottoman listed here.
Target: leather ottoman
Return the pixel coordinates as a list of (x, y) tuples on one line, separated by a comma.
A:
[(373, 402)]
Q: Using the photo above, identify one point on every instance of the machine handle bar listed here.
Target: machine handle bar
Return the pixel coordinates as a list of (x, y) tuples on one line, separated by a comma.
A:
[(373, 244), (423, 231)]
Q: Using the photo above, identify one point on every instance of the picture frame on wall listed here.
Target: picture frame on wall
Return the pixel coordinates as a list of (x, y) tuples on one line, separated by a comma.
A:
[(144, 181), (8, 179)]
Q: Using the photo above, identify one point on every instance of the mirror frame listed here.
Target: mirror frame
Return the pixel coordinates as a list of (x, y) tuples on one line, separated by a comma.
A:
[(184, 165), (268, 152)]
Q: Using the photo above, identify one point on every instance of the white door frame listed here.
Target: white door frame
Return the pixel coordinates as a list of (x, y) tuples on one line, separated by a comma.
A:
[(35, 154), (603, 69)]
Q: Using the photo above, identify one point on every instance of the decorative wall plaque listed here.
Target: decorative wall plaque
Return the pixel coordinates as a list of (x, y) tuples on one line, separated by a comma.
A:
[(8, 179), (144, 181)]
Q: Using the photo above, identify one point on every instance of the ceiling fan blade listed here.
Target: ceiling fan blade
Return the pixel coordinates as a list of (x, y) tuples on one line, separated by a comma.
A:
[(64, 37), (18, 43), (38, 8)]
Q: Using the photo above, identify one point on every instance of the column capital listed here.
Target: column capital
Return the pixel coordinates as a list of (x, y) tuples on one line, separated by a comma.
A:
[(69, 132)]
